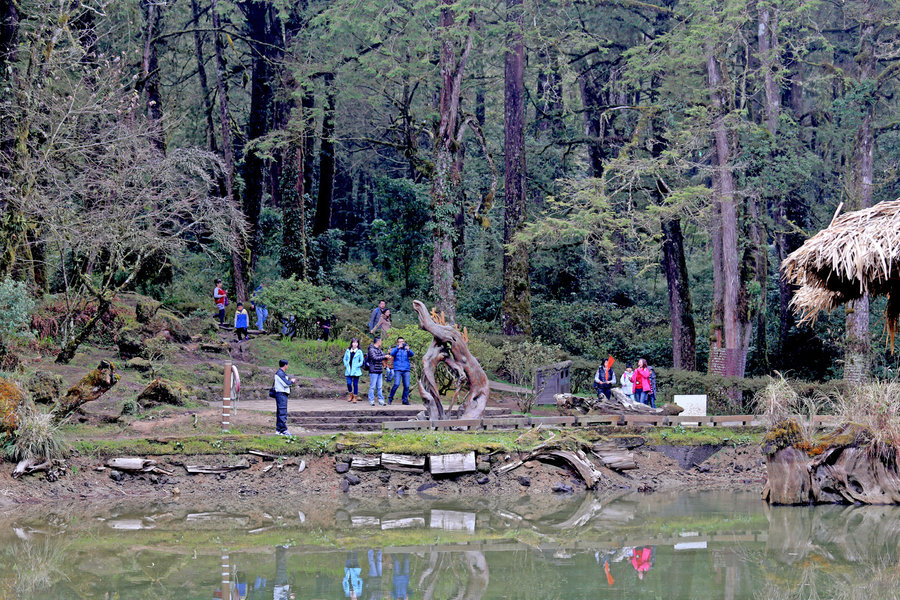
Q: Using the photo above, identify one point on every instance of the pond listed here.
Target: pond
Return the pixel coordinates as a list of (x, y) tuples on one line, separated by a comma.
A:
[(630, 546)]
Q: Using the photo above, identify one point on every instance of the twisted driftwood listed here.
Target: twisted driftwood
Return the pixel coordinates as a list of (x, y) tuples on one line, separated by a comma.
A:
[(449, 346)]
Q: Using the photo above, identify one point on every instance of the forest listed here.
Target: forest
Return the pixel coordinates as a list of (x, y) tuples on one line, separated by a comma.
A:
[(604, 177)]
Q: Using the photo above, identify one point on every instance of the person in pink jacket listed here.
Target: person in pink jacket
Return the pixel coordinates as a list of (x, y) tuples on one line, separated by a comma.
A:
[(642, 560), (641, 380)]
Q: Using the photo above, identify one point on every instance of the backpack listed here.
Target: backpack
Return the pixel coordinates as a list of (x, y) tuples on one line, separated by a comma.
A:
[(365, 365)]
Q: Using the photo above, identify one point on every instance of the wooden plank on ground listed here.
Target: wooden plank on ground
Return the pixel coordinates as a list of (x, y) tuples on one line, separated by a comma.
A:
[(453, 423), (553, 421), (504, 422), (644, 419), (446, 464), (403, 462), (365, 462), (720, 420), (404, 425), (599, 419)]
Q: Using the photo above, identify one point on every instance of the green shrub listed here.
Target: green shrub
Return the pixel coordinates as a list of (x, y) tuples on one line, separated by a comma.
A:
[(15, 306), (302, 301), (36, 437)]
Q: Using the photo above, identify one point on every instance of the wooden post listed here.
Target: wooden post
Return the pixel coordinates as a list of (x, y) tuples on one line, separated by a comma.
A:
[(226, 398), (226, 571)]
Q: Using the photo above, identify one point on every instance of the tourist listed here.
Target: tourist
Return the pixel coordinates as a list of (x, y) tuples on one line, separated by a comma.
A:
[(376, 315), (373, 581), (221, 298), (241, 321), (625, 382), (353, 360), (384, 323), (375, 358), (262, 312), (281, 389), (641, 382), (352, 581), (401, 354), (652, 396), (282, 588), (605, 378), (399, 589), (642, 560)]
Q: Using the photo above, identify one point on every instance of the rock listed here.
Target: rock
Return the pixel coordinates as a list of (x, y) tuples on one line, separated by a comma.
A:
[(482, 480), (563, 488), (483, 467), (425, 486), (162, 391), (341, 467), (130, 343), (145, 310), (384, 476), (524, 481), (345, 486), (703, 468), (11, 397), (45, 388), (154, 479), (138, 364), (352, 479), (216, 347), (116, 476), (530, 464), (671, 409)]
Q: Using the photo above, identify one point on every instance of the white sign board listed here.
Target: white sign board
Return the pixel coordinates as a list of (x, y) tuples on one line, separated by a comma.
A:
[(694, 405)]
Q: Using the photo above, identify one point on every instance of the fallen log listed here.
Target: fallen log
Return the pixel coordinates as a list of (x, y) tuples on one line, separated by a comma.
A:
[(54, 468), (365, 462), (449, 464), (214, 470), (264, 455), (576, 458), (618, 403), (136, 465)]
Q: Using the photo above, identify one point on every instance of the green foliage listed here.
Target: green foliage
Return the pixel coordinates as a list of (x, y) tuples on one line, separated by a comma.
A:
[(16, 305), (303, 302), (400, 235), (36, 437)]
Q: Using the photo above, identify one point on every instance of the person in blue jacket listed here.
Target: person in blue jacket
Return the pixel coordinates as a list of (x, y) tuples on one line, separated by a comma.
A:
[(401, 355), (262, 312), (353, 360), (241, 321)]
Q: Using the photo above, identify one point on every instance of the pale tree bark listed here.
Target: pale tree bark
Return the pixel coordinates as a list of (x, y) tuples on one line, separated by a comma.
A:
[(237, 259), (857, 351), (733, 322), (515, 312), (446, 179)]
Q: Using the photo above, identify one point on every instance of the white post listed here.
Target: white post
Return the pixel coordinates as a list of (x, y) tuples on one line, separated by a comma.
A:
[(226, 578), (226, 398)]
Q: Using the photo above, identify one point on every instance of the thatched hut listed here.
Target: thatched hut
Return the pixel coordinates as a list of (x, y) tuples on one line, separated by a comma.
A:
[(857, 255)]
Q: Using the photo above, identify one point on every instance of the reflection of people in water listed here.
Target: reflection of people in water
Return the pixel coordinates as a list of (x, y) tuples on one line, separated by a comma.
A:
[(642, 560), (352, 579), (400, 564), (282, 587), (373, 583)]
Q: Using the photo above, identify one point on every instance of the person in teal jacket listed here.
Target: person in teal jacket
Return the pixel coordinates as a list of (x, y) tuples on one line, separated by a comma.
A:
[(353, 360)]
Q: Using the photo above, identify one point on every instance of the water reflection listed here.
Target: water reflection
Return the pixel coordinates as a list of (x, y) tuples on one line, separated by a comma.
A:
[(696, 546)]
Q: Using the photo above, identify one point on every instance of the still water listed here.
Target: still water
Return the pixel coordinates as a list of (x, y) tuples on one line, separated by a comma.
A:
[(691, 546)]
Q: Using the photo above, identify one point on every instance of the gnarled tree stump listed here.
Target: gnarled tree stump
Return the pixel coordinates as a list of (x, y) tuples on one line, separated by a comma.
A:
[(90, 387), (449, 346)]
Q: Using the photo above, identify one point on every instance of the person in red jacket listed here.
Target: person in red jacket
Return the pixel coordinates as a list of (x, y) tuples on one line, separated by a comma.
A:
[(642, 560), (641, 380)]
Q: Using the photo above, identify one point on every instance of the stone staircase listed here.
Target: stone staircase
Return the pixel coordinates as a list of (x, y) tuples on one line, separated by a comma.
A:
[(365, 418)]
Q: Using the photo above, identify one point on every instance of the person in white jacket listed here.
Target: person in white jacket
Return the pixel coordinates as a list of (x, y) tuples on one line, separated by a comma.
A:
[(281, 387), (625, 382)]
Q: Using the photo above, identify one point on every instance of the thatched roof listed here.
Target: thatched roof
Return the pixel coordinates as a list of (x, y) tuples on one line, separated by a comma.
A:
[(858, 254)]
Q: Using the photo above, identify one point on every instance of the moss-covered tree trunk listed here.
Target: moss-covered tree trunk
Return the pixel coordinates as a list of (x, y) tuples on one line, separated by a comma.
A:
[(515, 312)]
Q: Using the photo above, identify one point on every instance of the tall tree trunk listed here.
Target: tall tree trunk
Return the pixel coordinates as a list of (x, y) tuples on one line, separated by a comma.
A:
[(593, 122), (446, 178), (515, 311), (208, 107), (150, 71), (262, 43), (733, 322), (237, 259), (684, 333), (327, 160), (857, 351)]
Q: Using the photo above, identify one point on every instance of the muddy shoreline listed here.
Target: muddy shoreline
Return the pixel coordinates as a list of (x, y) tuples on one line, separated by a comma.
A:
[(660, 469)]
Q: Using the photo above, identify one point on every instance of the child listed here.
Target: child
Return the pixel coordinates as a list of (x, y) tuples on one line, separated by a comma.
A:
[(241, 321), (221, 298)]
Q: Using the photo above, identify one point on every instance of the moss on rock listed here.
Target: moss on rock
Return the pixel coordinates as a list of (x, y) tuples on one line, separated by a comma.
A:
[(162, 391), (11, 398), (45, 388)]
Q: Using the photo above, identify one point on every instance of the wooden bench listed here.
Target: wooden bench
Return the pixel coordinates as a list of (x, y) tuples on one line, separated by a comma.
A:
[(553, 421)]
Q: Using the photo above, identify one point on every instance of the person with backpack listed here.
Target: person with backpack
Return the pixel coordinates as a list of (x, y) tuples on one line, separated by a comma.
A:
[(375, 365), (605, 378), (353, 361), (221, 298), (376, 315), (652, 396), (241, 321), (401, 354), (280, 390)]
